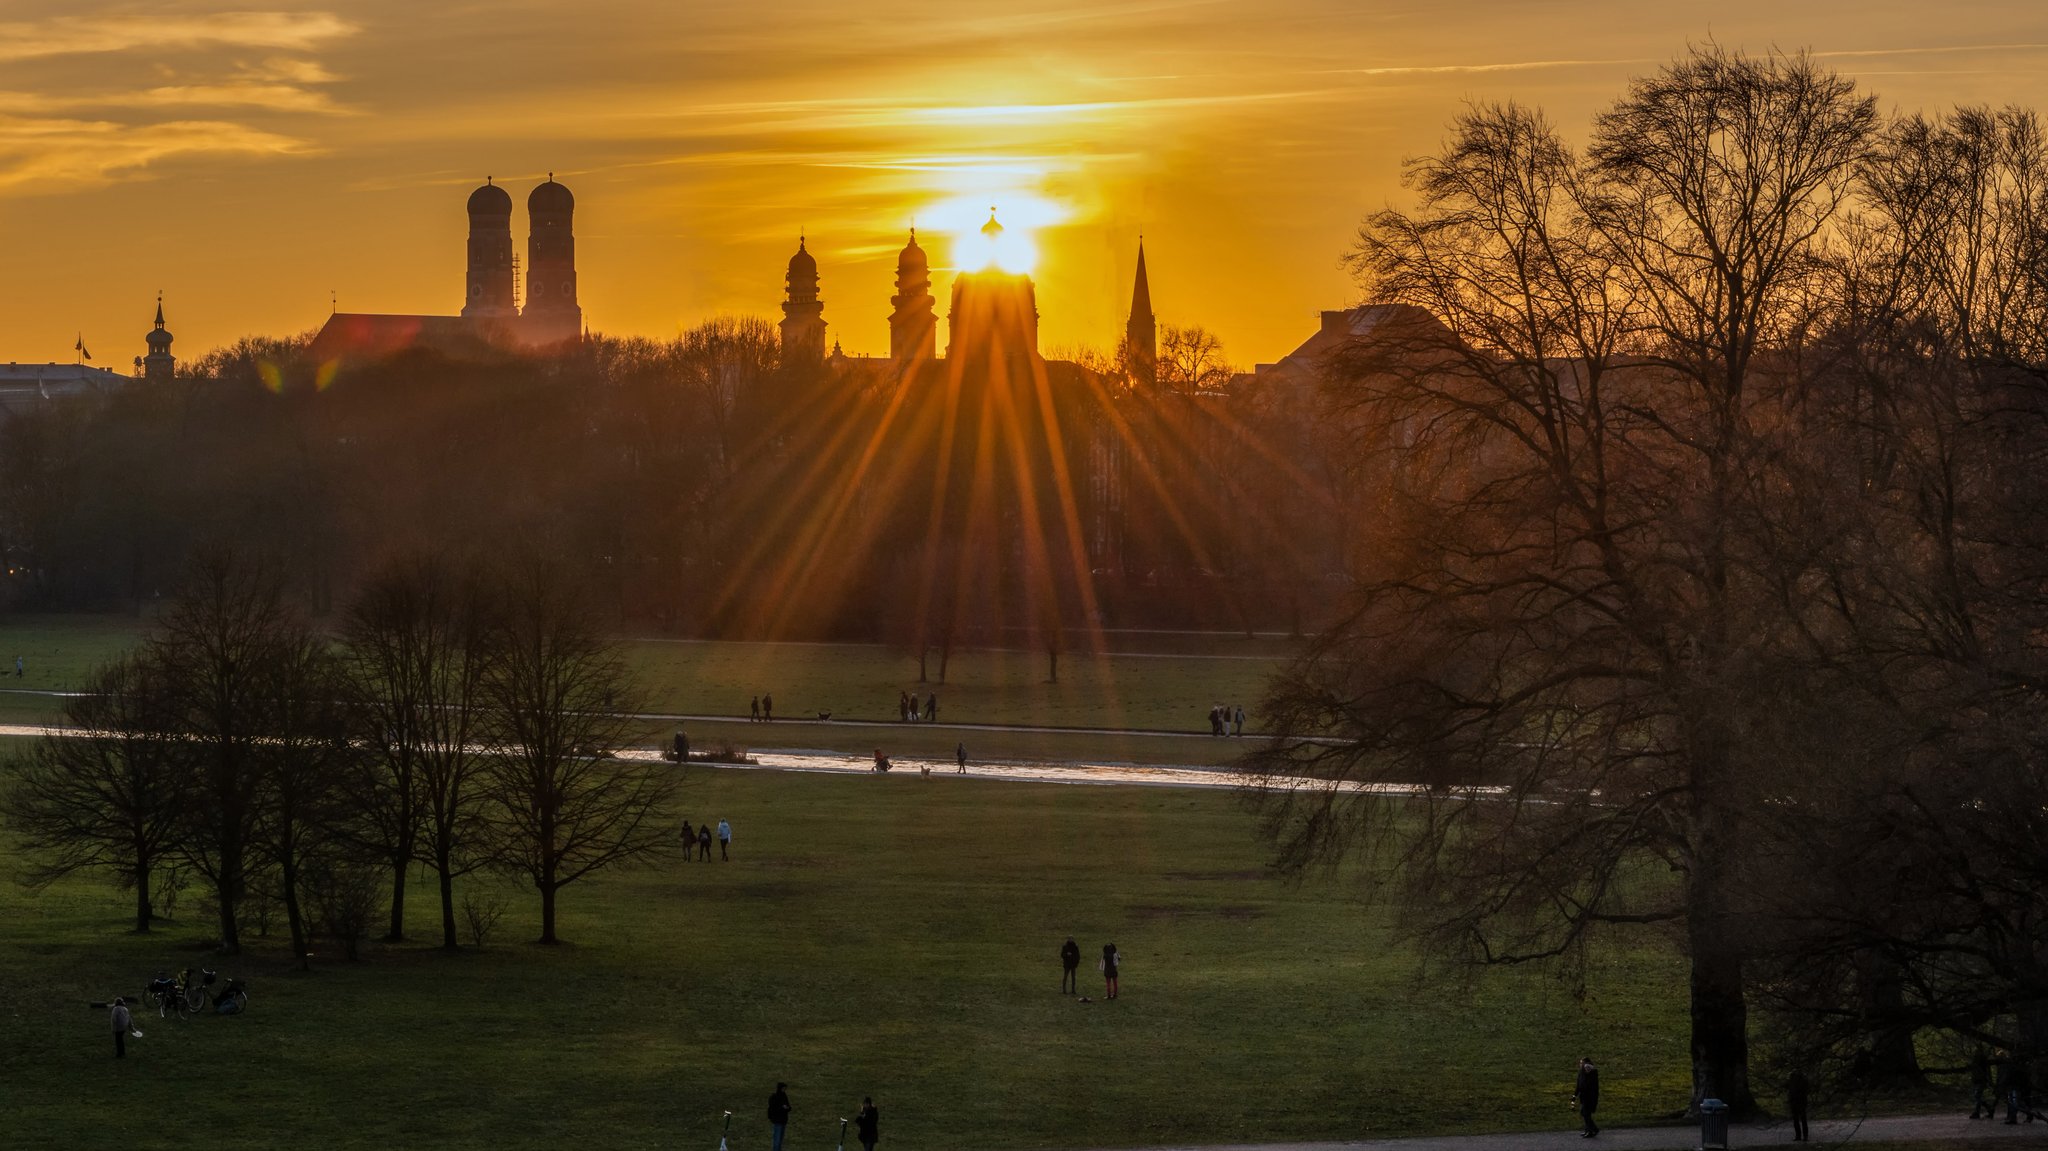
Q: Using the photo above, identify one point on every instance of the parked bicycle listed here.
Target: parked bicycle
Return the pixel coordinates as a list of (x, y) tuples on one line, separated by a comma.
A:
[(231, 999)]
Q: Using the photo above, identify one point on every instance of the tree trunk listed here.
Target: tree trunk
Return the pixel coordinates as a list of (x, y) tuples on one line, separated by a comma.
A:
[(293, 916), (923, 650), (547, 914), (1893, 1060), (143, 912), (441, 866), (1052, 655), (397, 932), (227, 893)]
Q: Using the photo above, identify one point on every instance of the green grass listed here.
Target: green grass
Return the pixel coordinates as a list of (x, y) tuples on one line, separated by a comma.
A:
[(885, 936), (1170, 690)]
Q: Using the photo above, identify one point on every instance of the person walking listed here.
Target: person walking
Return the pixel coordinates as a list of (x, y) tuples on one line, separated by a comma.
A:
[(1240, 720), (868, 1124), (902, 706), (1070, 967), (689, 840), (778, 1114), (767, 708), (960, 753), (704, 842), (682, 747), (1108, 965), (1981, 1098), (754, 710), (1796, 1089), (20, 669), (1586, 1095), (121, 1025), (931, 708), (724, 841)]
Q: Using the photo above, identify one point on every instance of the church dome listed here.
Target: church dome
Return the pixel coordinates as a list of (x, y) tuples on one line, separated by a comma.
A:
[(803, 263), (490, 200), (912, 256), (550, 197), (157, 339)]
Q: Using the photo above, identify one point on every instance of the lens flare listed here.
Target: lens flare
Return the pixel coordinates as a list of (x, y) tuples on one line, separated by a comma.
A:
[(993, 230)]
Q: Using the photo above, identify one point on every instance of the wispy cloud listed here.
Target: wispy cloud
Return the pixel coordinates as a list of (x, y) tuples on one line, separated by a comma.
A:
[(91, 35), (95, 151)]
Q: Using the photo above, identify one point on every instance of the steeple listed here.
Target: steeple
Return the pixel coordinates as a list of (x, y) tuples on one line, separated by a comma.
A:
[(913, 324), (1141, 333), (159, 364), (803, 313)]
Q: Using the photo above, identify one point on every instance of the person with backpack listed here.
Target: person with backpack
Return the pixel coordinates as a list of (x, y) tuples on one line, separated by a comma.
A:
[(868, 1124), (1108, 965), (1070, 967), (1586, 1095), (704, 842), (778, 1114)]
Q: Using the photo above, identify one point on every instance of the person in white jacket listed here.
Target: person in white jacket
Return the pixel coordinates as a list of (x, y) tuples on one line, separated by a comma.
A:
[(121, 1025)]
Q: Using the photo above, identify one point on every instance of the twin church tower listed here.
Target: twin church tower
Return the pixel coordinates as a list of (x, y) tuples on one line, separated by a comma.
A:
[(551, 314)]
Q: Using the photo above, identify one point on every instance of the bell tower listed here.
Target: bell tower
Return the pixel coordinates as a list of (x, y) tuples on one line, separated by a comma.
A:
[(914, 324), (489, 295), (159, 364), (552, 314), (803, 313)]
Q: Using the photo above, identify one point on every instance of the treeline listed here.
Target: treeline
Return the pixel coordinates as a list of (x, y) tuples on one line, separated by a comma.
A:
[(465, 718), (1710, 588), (705, 485)]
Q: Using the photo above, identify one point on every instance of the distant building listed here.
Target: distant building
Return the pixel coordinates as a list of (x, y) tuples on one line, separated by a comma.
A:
[(803, 313), (26, 387), (159, 364), (491, 321), (1141, 333)]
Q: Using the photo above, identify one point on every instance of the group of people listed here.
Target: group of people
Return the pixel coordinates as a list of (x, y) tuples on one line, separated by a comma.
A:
[(762, 709), (1226, 720), (884, 763), (2006, 1079), (1070, 968), (867, 1122), (700, 841), (907, 710)]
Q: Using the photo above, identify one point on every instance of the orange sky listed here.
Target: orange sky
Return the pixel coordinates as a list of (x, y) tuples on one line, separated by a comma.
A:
[(248, 161)]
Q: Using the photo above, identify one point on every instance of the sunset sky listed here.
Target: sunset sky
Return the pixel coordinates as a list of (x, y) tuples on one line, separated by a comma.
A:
[(249, 160)]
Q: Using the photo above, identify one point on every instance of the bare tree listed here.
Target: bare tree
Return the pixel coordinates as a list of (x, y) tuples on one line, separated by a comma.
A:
[(106, 795), (1191, 360), (1560, 599), (305, 760), (559, 694), (417, 650), (216, 648)]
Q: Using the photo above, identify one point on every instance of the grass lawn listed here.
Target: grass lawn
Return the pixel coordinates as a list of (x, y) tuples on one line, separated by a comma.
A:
[(1169, 690), (892, 936)]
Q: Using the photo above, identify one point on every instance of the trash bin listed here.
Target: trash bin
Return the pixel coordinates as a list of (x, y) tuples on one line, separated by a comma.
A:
[(1713, 1125)]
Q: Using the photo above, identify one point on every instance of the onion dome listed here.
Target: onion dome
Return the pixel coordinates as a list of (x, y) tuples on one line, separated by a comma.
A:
[(991, 229), (803, 263), (912, 255), (550, 197), (490, 200), (158, 339)]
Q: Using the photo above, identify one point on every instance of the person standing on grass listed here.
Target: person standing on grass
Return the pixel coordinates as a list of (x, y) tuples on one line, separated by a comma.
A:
[(1108, 964), (778, 1114), (682, 747), (931, 708), (704, 842), (689, 840), (754, 710), (868, 1124), (724, 840), (1070, 967), (960, 753), (121, 1025), (1796, 1089), (1240, 720), (20, 669), (1586, 1095)]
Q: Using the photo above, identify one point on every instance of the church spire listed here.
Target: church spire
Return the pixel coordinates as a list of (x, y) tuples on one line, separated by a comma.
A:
[(1141, 333), (159, 364), (803, 313)]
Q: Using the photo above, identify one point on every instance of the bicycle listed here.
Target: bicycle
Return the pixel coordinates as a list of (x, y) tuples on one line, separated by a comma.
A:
[(168, 996), (233, 998)]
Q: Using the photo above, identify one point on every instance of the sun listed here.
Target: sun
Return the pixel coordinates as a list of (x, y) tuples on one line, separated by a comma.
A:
[(994, 230)]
